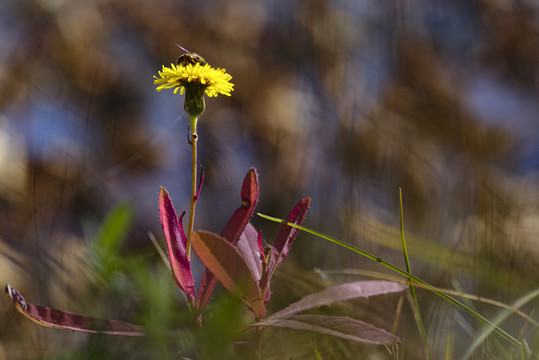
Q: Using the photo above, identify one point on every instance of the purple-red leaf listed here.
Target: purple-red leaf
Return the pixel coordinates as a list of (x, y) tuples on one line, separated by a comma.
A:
[(287, 234), (232, 231), (248, 247), (340, 326), (176, 241), (66, 320), (358, 289), (283, 242), (249, 197), (225, 261)]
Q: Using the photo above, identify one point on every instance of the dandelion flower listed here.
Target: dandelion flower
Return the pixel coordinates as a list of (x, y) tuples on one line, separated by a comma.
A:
[(195, 80), (178, 77)]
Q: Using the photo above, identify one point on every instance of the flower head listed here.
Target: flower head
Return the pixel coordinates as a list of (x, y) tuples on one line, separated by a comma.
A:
[(178, 77)]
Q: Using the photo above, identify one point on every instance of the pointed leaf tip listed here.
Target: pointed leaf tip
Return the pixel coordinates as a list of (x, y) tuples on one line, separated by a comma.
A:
[(287, 234), (163, 191)]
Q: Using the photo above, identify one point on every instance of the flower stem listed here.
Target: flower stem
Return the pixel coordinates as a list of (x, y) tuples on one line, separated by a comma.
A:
[(193, 142)]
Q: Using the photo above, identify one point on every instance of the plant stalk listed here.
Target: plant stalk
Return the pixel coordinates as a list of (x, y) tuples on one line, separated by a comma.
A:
[(192, 208), (415, 302)]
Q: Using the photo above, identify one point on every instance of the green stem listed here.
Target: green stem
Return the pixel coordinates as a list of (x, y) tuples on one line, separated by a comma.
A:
[(417, 312), (194, 138), (258, 343)]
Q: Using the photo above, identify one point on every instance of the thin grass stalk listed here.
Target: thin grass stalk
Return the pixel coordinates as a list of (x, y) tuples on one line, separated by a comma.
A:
[(415, 302), (160, 251), (501, 317)]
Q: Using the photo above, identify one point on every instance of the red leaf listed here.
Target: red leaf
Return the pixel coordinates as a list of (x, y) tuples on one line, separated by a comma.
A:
[(287, 234), (176, 240), (340, 326), (358, 289), (249, 197), (225, 261), (232, 231), (66, 320), (283, 242)]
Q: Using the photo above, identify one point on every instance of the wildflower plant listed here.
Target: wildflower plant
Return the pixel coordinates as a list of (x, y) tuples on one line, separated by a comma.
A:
[(196, 78), (237, 257)]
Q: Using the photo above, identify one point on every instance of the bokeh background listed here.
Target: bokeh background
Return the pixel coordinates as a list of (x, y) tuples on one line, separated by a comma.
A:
[(342, 100)]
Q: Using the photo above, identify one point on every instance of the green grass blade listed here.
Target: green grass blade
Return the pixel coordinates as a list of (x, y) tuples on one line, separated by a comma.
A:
[(404, 273), (404, 250), (501, 317), (417, 312), (160, 251)]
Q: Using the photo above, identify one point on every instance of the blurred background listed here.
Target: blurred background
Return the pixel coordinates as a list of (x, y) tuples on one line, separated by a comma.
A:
[(343, 100)]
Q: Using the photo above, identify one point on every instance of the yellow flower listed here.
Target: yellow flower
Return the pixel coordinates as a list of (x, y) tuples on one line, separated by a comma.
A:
[(177, 77)]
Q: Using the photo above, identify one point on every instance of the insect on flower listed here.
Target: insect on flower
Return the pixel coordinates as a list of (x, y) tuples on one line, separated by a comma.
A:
[(192, 69), (189, 58)]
